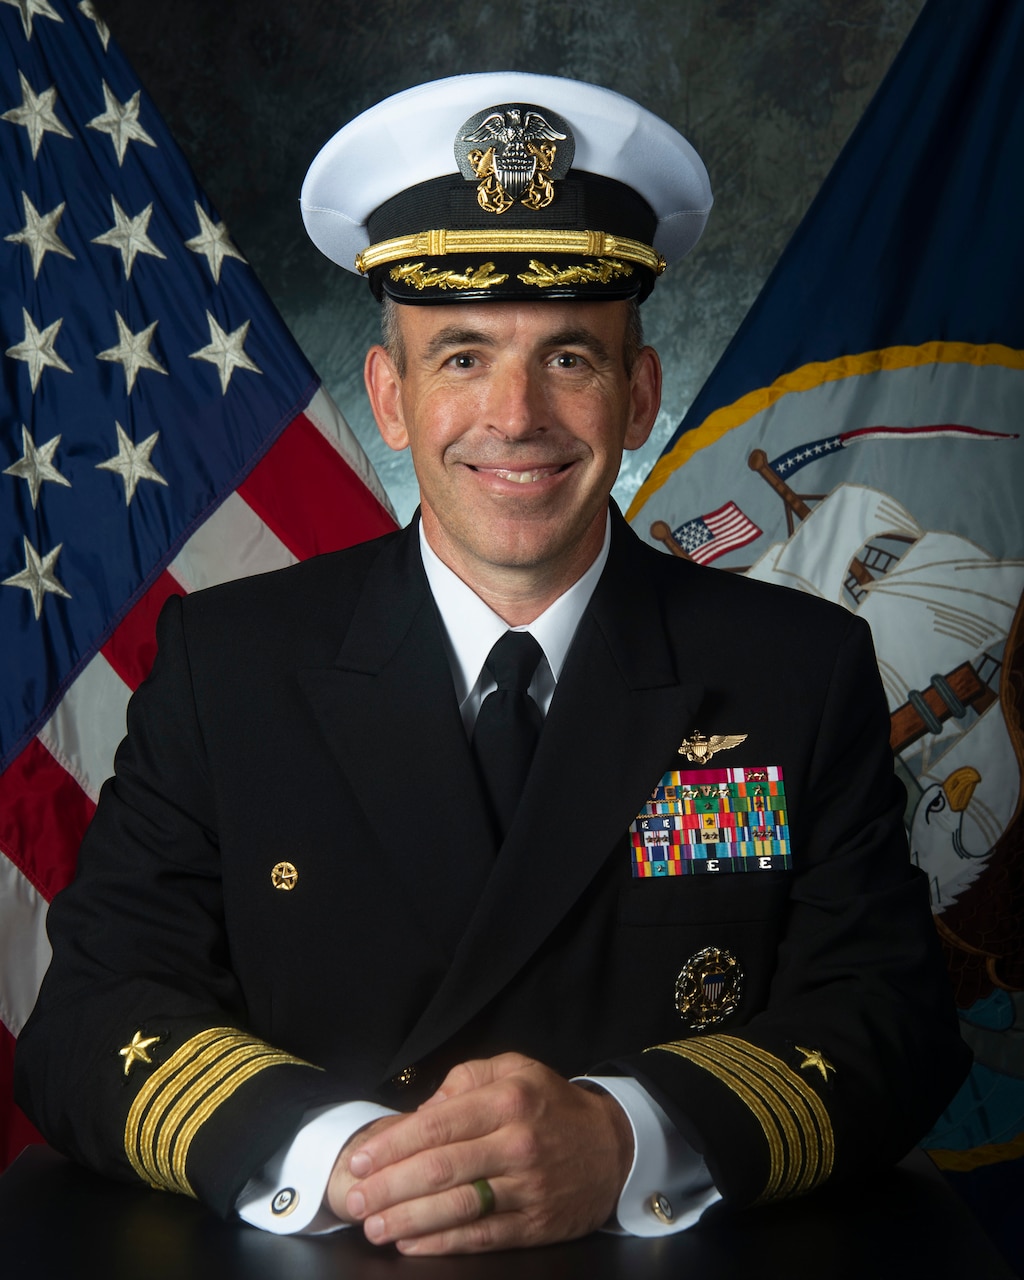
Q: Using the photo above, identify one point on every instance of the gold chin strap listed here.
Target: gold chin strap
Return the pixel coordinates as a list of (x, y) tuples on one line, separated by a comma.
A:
[(437, 244)]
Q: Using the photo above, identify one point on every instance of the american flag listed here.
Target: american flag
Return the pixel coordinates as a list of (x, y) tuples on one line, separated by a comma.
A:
[(708, 537), (159, 431)]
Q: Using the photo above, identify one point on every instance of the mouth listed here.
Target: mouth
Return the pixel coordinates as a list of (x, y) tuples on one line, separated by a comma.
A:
[(523, 475)]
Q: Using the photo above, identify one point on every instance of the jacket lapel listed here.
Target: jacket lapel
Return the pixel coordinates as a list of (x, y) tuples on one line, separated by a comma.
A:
[(619, 713), (388, 711)]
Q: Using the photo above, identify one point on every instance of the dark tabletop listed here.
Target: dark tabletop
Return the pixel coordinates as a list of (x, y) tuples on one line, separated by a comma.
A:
[(59, 1222)]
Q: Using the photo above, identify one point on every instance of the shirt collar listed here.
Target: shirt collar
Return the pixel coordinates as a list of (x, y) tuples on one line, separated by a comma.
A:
[(472, 627)]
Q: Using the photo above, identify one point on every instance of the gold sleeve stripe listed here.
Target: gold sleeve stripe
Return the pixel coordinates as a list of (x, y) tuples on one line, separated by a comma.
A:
[(154, 1137), (181, 1095), (766, 1118), (439, 243), (783, 1138), (796, 1125), (800, 1126)]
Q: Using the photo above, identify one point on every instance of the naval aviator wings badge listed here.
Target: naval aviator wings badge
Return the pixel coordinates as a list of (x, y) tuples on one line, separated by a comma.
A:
[(712, 822), (699, 748)]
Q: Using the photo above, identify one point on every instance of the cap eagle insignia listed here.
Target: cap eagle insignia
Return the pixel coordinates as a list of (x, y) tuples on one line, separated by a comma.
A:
[(517, 161), (701, 749)]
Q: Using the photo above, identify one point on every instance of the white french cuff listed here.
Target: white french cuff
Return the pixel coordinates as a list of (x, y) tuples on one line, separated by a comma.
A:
[(668, 1186), (287, 1196)]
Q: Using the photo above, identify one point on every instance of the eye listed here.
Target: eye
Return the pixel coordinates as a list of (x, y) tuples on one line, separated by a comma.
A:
[(567, 360), (462, 360)]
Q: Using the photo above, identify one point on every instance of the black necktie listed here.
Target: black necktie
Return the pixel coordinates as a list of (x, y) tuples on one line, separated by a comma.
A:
[(506, 729)]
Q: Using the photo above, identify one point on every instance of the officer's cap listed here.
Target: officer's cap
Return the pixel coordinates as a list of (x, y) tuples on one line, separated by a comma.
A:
[(505, 185)]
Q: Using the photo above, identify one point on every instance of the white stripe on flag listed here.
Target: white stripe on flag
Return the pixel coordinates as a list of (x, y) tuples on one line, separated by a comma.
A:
[(233, 543), (24, 947), (83, 734), (328, 419)]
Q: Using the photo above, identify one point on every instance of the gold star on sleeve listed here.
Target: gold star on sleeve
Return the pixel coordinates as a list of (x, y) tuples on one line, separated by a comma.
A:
[(137, 1050), (814, 1060)]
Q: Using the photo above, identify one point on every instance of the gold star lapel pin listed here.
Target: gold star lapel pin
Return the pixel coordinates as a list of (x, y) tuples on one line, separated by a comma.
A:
[(137, 1050), (697, 747), (284, 876), (814, 1060)]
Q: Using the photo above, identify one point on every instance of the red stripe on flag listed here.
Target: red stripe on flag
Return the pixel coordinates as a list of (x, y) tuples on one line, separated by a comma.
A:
[(953, 430), (334, 510), (132, 647), (16, 1132), (43, 816)]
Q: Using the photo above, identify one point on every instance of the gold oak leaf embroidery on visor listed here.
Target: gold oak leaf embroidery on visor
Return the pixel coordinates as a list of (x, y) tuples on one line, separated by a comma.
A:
[(482, 277), (600, 272)]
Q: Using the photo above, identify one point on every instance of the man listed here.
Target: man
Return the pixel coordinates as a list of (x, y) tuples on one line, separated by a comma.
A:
[(403, 841)]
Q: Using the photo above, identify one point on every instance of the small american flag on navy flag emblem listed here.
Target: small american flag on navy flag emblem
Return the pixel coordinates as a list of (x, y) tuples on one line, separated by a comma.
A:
[(708, 537)]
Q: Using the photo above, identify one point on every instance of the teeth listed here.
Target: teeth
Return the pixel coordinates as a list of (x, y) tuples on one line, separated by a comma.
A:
[(521, 477)]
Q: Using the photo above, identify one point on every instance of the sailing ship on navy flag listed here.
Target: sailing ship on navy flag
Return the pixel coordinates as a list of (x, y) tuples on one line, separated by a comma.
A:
[(864, 431)]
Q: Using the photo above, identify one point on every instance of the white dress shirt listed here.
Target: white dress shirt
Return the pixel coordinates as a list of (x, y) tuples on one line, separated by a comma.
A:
[(288, 1195)]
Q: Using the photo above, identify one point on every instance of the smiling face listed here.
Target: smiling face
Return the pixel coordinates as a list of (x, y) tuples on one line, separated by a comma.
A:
[(516, 416)]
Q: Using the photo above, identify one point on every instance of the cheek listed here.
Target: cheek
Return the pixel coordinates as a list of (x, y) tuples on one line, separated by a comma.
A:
[(445, 426)]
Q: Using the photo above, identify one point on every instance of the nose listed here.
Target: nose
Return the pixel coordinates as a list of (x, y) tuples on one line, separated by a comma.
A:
[(516, 403)]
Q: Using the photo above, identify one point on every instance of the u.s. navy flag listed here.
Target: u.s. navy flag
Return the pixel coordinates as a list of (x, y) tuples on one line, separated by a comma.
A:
[(159, 431), (866, 420)]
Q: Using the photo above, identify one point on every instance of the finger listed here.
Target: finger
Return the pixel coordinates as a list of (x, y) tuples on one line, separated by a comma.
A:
[(452, 1210), (485, 1235), (471, 1115), (426, 1174), (476, 1073), (341, 1179)]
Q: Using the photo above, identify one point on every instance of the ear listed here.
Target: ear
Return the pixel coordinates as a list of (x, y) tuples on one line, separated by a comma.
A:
[(644, 398), (384, 387)]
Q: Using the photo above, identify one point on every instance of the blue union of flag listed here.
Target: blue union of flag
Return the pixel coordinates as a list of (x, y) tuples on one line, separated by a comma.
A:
[(159, 431)]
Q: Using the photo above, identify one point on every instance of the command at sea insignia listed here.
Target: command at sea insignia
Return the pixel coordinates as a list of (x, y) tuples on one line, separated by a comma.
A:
[(708, 988)]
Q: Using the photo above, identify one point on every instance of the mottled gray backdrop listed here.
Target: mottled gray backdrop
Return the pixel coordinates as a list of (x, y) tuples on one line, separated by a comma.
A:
[(767, 90)]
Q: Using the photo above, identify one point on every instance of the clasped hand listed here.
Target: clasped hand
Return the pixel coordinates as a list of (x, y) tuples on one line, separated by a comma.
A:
[(555, 1155)]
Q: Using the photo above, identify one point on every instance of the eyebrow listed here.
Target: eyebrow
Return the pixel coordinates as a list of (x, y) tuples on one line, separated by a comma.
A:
[(456, 336), (580, 337)]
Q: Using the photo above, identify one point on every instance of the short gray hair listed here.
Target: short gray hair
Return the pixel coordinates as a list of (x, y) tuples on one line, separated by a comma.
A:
[(391, 333), (633, 339)]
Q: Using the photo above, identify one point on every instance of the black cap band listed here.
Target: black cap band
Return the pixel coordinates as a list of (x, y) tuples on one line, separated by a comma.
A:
[(616, 264)]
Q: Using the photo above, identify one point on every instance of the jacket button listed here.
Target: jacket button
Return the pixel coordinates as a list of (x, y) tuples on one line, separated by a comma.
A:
[(404, 1078)]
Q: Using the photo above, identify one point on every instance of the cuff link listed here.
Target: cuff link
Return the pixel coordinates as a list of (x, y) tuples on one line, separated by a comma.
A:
[(661, 1207), (284, 1202)]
